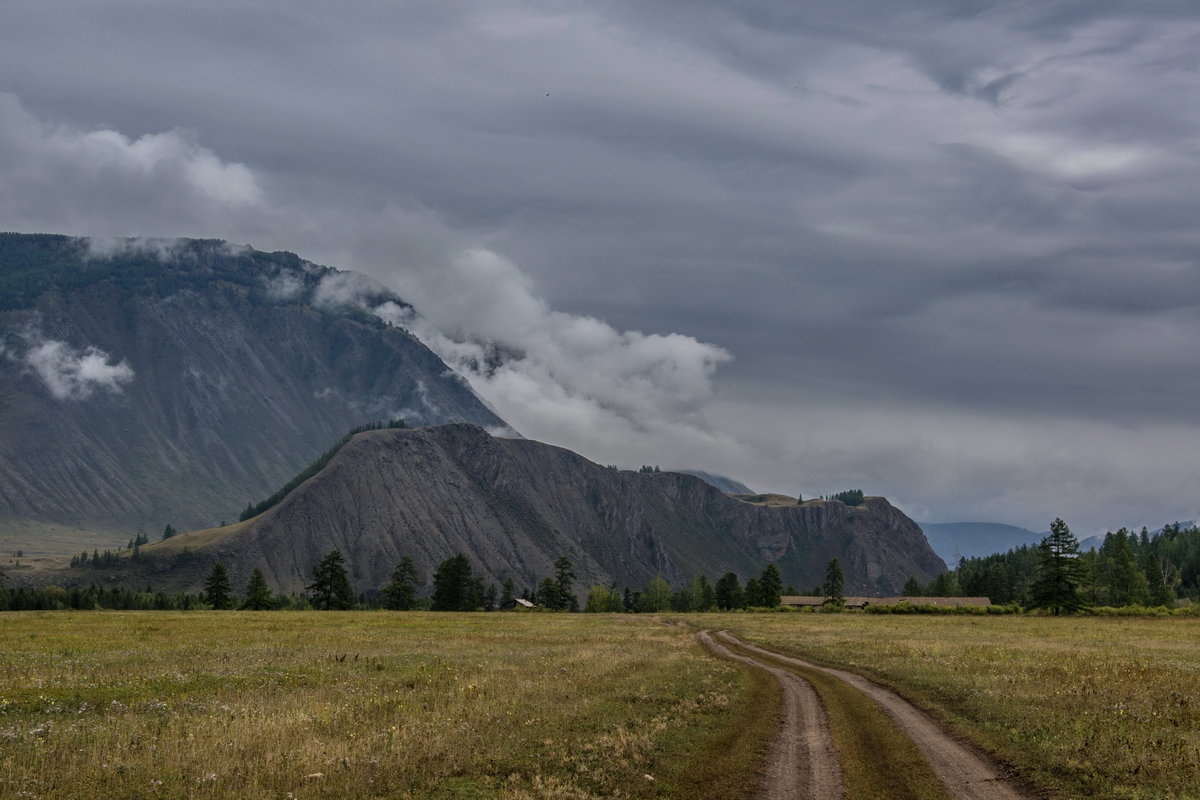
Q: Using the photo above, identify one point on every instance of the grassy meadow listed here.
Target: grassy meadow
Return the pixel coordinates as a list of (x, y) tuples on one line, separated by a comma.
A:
[(1086, 707), (389, 705)]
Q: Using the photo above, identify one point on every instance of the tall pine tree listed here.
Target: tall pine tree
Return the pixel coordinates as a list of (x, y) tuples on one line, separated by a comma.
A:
[(835, 584), (1056, 587), (330, 589), (216, 588), (400, 594), (258, 594)]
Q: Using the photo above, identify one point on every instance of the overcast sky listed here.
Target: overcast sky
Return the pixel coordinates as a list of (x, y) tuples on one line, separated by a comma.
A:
[(945, 251)]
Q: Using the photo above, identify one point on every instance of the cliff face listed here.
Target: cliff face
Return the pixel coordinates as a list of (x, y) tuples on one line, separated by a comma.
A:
[(514, 506), (151, 387)]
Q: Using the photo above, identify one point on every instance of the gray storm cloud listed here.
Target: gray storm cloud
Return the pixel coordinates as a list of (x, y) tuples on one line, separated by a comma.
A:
[(951, 244)]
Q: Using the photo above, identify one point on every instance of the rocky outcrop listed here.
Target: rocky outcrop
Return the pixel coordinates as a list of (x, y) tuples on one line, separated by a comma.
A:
[(514, 506)]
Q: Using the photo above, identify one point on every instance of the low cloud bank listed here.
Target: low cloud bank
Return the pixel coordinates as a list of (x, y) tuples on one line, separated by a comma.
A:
[(568, 379), (72, 373)]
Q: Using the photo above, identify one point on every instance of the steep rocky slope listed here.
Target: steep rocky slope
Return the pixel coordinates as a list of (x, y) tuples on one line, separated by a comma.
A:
[(155, 382), (515, 505)]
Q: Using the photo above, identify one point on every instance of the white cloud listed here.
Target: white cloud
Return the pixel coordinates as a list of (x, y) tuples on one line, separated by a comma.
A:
[(76, 374), (571, 380), (101, 248), (285, 286), (341, 289)]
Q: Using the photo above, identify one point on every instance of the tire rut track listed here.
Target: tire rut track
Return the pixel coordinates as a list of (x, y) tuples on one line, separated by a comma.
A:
[(966, 773), (802, 763)]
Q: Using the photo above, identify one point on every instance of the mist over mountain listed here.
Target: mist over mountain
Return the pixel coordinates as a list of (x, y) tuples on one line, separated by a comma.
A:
[(515, 505), (152, 381), (726, 485)]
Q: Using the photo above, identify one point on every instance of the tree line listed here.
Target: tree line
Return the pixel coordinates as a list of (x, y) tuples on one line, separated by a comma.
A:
[(456, 587), (1127, 569)]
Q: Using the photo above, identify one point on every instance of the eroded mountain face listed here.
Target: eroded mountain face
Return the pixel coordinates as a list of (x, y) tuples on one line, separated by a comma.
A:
[(147, 382), (514, 506)]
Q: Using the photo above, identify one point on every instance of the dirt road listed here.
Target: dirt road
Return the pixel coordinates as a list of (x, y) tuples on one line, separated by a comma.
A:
[(966, 773), (802, 764)]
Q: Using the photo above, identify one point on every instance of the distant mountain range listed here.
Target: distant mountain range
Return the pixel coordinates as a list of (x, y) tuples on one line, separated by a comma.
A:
[(955, 540), (152, 382)]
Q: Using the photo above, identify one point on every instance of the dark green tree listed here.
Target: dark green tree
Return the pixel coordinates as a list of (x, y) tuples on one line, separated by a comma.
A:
[(835, 584), (944, 585), (454, 587), (753, 592), (1126, 581), (996, 584), (729, 593), (1160, 592), (549, 595), (1056, 587), (913, 587), (565, 579), (506, 592), (851, 497), (168, 532), (217, 592), (330, 589), (258, 594), (770, 586), (401, 593), (703, 596)]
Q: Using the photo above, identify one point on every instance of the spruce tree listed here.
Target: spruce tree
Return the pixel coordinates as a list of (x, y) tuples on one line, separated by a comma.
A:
[(258, 594), (728, 593), (330, 589), (549, 596), (216, 588), (452, 585), (1056, 587), (1127, 582), (835, 584), (565, 579), (754, 597), (770, 586), (913, 587), (400, 594), (1160, 592)]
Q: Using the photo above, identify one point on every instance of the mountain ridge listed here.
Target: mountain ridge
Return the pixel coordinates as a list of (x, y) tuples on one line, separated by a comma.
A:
[(515, 505)]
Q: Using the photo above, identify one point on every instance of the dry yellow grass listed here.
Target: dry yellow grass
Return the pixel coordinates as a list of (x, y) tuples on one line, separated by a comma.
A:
[(1098, 708), (346, 705)]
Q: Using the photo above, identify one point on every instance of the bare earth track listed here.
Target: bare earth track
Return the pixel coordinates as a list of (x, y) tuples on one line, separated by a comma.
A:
[(802, 762), (803, 755)]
